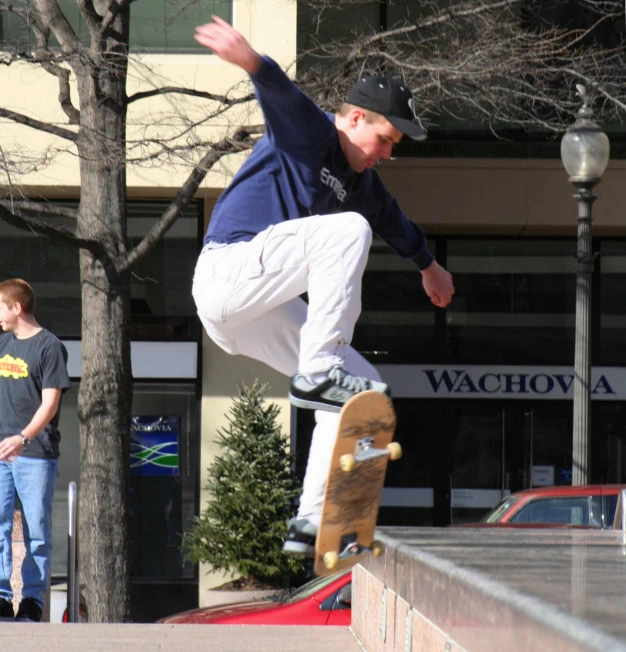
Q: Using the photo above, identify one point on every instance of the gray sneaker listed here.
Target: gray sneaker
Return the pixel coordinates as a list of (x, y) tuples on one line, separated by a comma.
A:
[(332, 394), (300, 538)]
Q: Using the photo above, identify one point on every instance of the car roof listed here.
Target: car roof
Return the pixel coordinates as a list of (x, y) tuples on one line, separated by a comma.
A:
[(525, 526), (569, 490)]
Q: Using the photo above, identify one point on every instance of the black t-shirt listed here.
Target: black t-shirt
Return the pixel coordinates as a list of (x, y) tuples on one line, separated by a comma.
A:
[(26, 368)]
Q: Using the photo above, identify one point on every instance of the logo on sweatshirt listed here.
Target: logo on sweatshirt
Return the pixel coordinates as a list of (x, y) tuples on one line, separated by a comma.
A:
[(332, 182), (13, 367)]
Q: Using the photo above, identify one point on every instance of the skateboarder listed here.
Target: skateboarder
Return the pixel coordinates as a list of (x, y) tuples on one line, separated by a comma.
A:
[(259, 256)]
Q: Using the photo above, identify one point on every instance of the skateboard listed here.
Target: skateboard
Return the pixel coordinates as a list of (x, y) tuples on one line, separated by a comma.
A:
[(355, 483)]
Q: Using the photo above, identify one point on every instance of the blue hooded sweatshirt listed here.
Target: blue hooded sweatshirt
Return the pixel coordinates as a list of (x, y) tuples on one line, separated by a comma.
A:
[(298, 169)]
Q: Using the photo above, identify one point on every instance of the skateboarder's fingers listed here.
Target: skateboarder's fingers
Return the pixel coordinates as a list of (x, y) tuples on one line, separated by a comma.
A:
[(219, 31), (226, 43), (436, 300)]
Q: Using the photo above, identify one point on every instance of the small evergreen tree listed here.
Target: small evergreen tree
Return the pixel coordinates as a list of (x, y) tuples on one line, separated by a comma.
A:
[(251, 487)]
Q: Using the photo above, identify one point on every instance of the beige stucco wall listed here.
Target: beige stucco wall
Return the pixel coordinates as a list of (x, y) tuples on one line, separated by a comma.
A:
[(501, 196), (45, 161)]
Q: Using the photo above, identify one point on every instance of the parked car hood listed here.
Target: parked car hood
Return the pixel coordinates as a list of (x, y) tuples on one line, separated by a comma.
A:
[(206, 615)]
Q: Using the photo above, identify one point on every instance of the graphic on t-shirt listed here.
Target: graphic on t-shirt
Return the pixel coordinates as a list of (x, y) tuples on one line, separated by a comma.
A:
[(13, 367), (332, 182)]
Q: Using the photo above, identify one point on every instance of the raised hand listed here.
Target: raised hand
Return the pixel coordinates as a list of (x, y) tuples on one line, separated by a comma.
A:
[(228, 44)]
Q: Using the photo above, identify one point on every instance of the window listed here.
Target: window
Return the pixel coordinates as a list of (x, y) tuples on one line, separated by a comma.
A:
[(154, 24), (611, 507), (519, 294), (501, 508), (162, 307), (397, 320), (612, 266), (514, 303), (170, 24), (584, 510), (52, 269)]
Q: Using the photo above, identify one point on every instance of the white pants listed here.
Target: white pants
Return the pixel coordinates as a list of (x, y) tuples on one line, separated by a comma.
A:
[(248, 299)]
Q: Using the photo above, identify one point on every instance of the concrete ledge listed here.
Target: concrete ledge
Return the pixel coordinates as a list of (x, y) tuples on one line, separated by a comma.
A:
[(27, 637), (462, 589)]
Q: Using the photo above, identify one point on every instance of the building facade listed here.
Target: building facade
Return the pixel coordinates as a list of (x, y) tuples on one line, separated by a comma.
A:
[(482, 389)]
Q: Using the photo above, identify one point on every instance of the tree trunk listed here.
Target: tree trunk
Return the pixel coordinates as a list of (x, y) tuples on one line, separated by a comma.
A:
[(105, 395)]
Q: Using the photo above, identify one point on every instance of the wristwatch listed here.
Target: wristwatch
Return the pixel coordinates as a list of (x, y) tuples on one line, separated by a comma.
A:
[(25, 440)]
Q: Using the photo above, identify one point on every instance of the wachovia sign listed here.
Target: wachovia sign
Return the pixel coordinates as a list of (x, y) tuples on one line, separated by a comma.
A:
[(499, 381)]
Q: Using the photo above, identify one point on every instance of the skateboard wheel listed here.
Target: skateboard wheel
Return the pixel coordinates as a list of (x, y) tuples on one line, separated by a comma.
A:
[(331, 559), (395, 450), (377, 548), (347, 462)]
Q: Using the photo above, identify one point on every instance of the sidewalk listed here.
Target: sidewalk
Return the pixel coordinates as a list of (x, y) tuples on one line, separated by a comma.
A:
[(25, 637)]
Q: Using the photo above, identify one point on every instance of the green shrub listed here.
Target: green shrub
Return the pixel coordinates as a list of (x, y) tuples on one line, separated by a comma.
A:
[(251, 487)]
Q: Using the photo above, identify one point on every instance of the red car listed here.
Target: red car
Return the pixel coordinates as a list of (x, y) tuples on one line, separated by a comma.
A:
[(322, 601), (587, 505)]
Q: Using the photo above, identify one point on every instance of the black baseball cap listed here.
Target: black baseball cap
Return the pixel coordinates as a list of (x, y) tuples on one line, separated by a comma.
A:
[(392, 99)]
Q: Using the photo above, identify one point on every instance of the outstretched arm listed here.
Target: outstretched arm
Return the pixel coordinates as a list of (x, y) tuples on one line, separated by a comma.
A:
[(228, 44), (292, 119), (438, 284)]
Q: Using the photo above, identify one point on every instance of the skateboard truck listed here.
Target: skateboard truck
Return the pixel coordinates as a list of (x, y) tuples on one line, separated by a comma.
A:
[(352, 549), (365, 451)]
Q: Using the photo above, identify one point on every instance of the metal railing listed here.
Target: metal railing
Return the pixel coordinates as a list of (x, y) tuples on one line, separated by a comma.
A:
[(73, 584)]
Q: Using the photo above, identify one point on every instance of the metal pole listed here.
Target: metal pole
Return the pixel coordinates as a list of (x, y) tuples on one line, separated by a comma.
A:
[(582, 359), (72, 555)]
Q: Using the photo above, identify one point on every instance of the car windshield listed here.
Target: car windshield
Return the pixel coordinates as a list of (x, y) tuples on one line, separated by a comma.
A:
[(306, 590), (503, 506)]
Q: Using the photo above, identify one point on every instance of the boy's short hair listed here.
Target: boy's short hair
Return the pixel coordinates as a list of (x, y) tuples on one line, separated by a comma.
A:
[(15, 290), (370, 116)]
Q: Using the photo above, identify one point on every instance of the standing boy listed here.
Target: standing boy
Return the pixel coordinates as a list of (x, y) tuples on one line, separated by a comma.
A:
[(33, 375), (259, 256)]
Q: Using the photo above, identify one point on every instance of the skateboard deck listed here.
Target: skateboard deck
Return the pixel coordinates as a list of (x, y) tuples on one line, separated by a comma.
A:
[(355, 481)]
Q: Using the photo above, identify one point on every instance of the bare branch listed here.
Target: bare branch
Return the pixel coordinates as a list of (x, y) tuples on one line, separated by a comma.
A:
[(222, 99), (239, 142), (56, 233), (65, 99), (39, 207), (39, 124), (443, 16)]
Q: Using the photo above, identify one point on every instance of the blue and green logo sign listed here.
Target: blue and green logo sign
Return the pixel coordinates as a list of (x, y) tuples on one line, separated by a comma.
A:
[(154, 446)]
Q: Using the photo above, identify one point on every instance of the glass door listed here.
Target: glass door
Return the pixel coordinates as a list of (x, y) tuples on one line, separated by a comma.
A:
[(608, 442), (498, 447), (478, 451), (545, 444)]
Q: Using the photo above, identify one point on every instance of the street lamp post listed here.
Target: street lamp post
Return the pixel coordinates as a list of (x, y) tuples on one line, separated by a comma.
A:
[(585, 154)]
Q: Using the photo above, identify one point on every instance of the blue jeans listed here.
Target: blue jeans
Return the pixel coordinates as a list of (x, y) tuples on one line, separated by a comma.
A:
[(35, 481)]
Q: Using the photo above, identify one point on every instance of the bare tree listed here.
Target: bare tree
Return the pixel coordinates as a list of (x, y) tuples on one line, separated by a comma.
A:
[(96, 131), (506, 64)]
